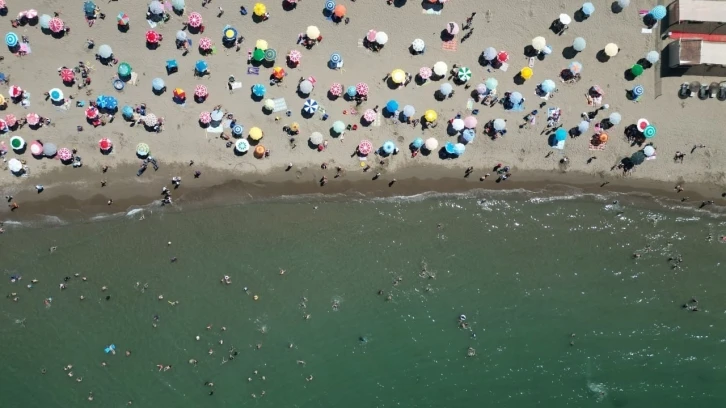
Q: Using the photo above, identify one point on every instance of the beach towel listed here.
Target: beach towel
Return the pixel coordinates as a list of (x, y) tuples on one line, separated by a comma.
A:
[(217, 129), (431, 12), (253, 71), (235, 85), (504, 67), (449, 45), (470, 104), (599, 147), (559, 145), (280, 105), (651, 157), (134, 78)]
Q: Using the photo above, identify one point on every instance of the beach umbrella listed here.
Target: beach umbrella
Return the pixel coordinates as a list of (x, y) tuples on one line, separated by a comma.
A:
[(611, 50), (440, 68), (588, 9), (258, 55), (652, 57), (43, 21), (316, 138), (575, 67), (615, 118), (658, 12), (642, 124), (312, 32), (336, 89), (310, 106), (157, 84), (499, 124), (256, 133), (515, 98), (194, 19), (623, 3), (381, 38), (151, 120), (178, 4), (371, 35), (31, 14), (91, 112), (259, 151), (361, 88), (547, 50), (648, 151), (217, 115), (425, 72), (15, 91), (392, 106), (65, 154), (201, 66), (259, 90), (388, 147), (431, 115), (329, 5), (205, 43), (459, 149), (636, 70), (491, 83), (127, 111), (452, 28), (201, 91), (205, 118), (339, 11), (539, 43), (565, 19), (470, 122), (503, 56), (370, 115), (105, 144), (152, 37), (11, 39), (67, 75), (431, 144), (270, 55), (548, 86), (11, 120), (2, 100), (142, 149), (305, 87), (229, 34), (489, 53), (294, 56), (464, 74), (89, 8), (56, 95), (583, 126), (261, 45), (181, 35), (409, 111), (398, 76), (417, 143), (278, 72), (335, 58), (124, 69), (365, 147), (179, 93), (269, 104), (33, 119), (15, 166), (3, 126), (649, 131), (56, 25), (237, 130), (579, 44), (17, 142), (122, 19), (155, 7), (36, 148), (638, 90), (526, 73), (242, 146), (560, 135), (49, 149), (446, 89), (457, 124), (468, 135), (418, 45), (259, 9), (338, 126)]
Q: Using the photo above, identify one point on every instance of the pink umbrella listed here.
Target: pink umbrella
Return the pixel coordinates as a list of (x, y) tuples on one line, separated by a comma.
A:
[(336, 89), (205, 43), (195, 19), (371, 36), (105, 144), (503, 56), (56, 25), (31, 14), (65, 153), (3, 126), (470, 122), (33, 119), (91, 112), (67, 75), (452, 28), (425, 72), (370, 115), (200, 91), (11, 120), (36, 148), (16, 91), (365, 147), (362, 89), (205, 118), (294, 56), (2, 4)]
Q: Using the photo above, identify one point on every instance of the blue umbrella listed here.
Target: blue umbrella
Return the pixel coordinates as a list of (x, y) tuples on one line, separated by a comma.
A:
[(392, 106), (56, 94), (351, 91), (311, 106), (459, 149), (330, 5), (259, 90), (468, 135), (388, 147), (560, 135), (417, 143), (89, 8), (548, 85), (449, 147), (588, 9), (238, 130), (638, 90), (201, 66), (515, 98), (127, 111), (110, 103), (335, 58), (11, 39), (157, 84), (658, 12), (229, 34), (101, 101)]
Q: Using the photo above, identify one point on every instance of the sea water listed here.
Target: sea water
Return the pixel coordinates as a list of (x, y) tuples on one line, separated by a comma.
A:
[(568, 301)]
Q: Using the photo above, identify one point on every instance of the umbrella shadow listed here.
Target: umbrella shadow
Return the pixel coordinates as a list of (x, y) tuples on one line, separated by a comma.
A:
[(580, 16), (306, 115), (123, 28), (615, 7), (602, 57), (412, 51), (268, 64), (256, 98), (364, 122), (3, 12), (392, 85), (288, 6), (419, 81), (202, 124), (386, 113), (22, 149), (483, 61), (158, 92), (445, 36), (443, 154), (312, 145), (290, 64), (332, 97), (569, 52), (151, 46), (333, 133), (238, 153), (302, 95), (105, 152), (645, 63), (195, 30), (427, 5), (628, 75), (529, 51), (518, 79), (399, 3), (451, 131)]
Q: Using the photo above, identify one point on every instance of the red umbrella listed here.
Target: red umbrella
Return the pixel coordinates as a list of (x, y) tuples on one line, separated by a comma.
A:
[(33, 119), (3, 125), (152, 37), (503, 56), (362, 89), (91, 112), (16, 91), (56, 25), (205, 43), (205, 117), (195, 19), (67, 75), (294, 56), (336, 89), (65, 153), (11, 120), (365, 147), (105, 144), (201, 91)]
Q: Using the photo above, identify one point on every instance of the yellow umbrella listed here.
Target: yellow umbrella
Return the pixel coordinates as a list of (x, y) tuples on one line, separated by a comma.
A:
[(269, 104), (259, 9), (261, 44), (526, 73), (295, 127), (312, 32), (2, 100), (398, 76), (431, 115), (255, 133)]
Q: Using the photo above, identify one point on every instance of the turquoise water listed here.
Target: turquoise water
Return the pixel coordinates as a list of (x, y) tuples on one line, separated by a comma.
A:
[(526, 272)]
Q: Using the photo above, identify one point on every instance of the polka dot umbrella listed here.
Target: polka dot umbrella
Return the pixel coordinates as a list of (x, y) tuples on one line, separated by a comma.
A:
[(361, 88), (65, 153), (425, 72), (336, 89), (205, 43), (151, 120), (11, 120)]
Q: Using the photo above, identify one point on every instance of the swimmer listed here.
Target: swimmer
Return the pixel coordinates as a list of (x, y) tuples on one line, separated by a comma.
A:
[(167, 368), (309, 378), (34, 281), (128, 353), (282, 271), (301, 362), (52, 249), (103, 288), (70, 373), (210, 352), (209, 326), (68, 367), (173, 259), (160, 366), (259, 346), (81, 297), (224, 328), (43, 370), (90, 396), (290, 345), (161, 297), (103, 364), (79, 379)]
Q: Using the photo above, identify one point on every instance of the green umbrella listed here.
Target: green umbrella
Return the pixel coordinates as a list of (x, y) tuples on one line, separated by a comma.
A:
[(464, 74), (270, 55), (142, 149), (124, 69), (17, 142), (637, 70), (258, 55), (638, 157), (649, 131)]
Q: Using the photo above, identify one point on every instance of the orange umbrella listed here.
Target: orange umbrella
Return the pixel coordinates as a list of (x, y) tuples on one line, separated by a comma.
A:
[(278, 72), (259, 151), (603, 137), (339, 11), (179, 93)]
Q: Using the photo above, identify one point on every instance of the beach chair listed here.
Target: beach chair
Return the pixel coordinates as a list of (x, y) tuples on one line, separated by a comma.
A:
[(171, 66), (312, 80)]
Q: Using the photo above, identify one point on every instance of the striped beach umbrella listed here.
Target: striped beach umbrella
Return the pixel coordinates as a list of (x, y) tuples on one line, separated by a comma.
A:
[(195, 19), (205, 43), (122, 19), (67, 75), (310, 106), (361, 88), (335, 58), (201, 91), (336, 89), (638, 90), (91, 112), (270, 55), (365, 147), (294, 56), (65, 153), (329, 5), (464, 74), (259, 90), (205, 118), (370, 115), (15, 91), (56, 25), (11, 39)]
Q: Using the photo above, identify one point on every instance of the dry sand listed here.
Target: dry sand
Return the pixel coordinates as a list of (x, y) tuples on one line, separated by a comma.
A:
[(509, 26)]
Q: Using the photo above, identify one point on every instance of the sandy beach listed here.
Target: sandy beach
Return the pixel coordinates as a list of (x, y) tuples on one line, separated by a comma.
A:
[(681, 123)]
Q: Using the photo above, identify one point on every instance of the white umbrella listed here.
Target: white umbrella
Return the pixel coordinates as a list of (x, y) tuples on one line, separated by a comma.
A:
[(431, 144), (446, 89), (381, 37), (217, 115), (313, 32), (15, 166), (652, 57), (156, 7), (440, 68), (105, 51), (316, 138), (611, 50), (181, 35), (623, 3), (649, 151), (489, 54), (306, 87), (499, 124), (418, 45), (565, 19), (539, 43), (583, 126), (409, 111), (615, 118), (457, 124), (579, 44)]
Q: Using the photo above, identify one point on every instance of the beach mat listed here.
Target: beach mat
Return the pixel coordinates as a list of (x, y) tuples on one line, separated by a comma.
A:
[(600, 147), (449, 45)]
